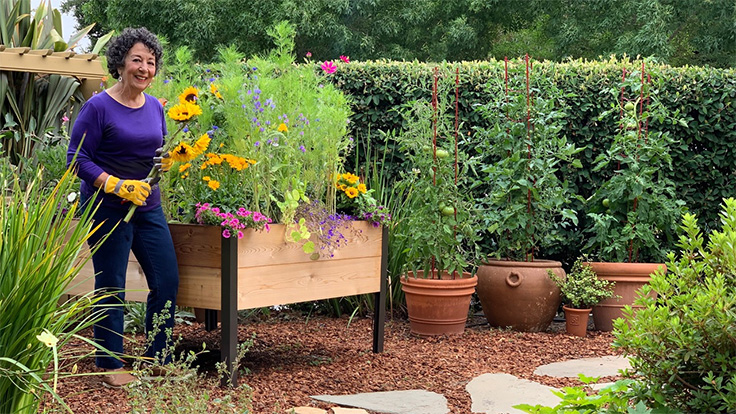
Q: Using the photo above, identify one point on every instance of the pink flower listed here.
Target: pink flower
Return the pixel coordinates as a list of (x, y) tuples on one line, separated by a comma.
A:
[(309, 54), (64, 119), (328, 67), (345, 59), (226, 233)]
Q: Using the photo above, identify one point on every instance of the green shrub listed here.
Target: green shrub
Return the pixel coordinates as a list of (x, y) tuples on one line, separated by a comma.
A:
[(683, 342)]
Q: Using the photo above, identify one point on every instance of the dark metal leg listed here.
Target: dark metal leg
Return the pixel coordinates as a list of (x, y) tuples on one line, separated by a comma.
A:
[(229, 307), (210, 320), (379, 317)]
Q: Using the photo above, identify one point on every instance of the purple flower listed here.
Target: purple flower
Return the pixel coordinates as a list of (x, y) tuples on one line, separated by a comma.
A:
[(258, 143), (302, 149), (166, 81)]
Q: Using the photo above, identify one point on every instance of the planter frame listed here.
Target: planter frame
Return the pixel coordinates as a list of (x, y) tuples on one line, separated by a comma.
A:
[(260, 270)]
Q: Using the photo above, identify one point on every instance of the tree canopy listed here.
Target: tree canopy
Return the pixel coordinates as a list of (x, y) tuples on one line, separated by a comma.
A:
[(678, 32)]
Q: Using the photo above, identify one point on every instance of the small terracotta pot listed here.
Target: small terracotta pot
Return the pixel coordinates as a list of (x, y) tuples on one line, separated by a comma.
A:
[(629, 278), (519, 295), (576, 320), (438, 306)]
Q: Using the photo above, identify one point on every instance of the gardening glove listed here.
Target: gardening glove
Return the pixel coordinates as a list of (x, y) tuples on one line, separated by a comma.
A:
[(161, 161), (131, 190)]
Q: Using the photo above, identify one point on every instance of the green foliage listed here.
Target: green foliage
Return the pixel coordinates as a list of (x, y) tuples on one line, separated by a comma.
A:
[(678, 32), (525, 204), (683, 340), (440, 231), (632, 214), (284, 117), (581, 288), (700, 101), (613, 399), (39, 250)]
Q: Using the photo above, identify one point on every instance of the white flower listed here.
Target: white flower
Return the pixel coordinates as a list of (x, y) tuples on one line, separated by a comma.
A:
[(71, 197), (47, 338)]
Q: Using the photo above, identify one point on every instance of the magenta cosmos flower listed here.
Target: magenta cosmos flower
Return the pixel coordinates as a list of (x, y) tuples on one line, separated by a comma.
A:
[(328, 67), (345, 59)]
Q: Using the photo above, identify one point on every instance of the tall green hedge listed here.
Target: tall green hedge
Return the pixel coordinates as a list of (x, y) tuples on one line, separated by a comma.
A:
[(702, 99)]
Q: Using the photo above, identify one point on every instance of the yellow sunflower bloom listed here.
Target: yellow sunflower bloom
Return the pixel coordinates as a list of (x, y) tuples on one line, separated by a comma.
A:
[(184, 111), (183, 153), (282, 128), (350, 178), (202, 143), (361, 188), (213, 184), (184, 167), (213, 88), (351, 192), (190, 94)]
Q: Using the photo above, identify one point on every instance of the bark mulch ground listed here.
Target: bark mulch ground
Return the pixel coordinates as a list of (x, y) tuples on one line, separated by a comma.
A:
[(293, 357)]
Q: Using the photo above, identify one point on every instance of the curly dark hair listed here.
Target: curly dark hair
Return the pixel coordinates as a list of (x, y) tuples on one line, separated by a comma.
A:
[(121, 44)]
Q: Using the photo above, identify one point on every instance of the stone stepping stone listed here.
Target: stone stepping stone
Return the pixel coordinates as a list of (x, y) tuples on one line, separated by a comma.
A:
[(392, 402), (498, 393), (592, 367)]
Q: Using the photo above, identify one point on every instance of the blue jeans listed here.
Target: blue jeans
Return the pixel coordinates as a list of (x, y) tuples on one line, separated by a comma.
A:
[(147, 235)]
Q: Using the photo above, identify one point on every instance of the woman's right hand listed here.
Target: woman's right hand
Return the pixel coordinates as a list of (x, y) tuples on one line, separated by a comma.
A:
[(134, 191)]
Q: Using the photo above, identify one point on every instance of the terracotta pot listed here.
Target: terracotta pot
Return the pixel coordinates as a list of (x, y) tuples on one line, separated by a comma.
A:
[(519, 295), (629, 277), (576, 320), (438, 306)]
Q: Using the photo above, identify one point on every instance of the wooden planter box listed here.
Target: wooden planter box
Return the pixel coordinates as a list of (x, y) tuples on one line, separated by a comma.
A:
[(261, 270)]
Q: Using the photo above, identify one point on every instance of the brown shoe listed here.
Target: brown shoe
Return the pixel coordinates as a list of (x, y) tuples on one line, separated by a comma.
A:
[(117, 378), (165, 371)]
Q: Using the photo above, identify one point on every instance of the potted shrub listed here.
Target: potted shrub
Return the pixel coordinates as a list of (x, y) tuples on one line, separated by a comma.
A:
[(439, 227), (580, 290), (632, 216), (525, 201)]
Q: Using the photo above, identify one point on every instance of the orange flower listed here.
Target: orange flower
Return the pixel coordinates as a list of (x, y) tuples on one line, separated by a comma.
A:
[(213, 184)]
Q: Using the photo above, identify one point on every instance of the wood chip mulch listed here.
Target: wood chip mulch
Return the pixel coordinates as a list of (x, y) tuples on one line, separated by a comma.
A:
[(294, 356)]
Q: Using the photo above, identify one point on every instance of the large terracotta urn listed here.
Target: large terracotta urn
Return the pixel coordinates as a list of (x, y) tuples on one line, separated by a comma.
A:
[(519, 295), (437, 306), (629, 278)]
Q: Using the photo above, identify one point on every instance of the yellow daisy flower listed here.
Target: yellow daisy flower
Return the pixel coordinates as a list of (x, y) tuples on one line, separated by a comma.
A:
[(361, 188), (206, 178), (184, 167), (202, 143), (184, 111), (190, 94), (351, 192), (213, 184), (183, 153), (282, 128)]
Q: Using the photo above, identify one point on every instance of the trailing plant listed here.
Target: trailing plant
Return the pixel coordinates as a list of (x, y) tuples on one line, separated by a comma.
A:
[(39, 257), (527, 202), (581, 288), (632, 216), (439, 230), (682, 341)]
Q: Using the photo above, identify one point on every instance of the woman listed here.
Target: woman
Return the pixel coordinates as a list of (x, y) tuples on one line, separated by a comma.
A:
[(115, 139)]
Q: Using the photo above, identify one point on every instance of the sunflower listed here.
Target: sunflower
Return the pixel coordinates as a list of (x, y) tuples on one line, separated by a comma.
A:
[(183, 153), (190, 94), (361, 188), (351, 192), (202, 143), (350, 178), (184, 111)]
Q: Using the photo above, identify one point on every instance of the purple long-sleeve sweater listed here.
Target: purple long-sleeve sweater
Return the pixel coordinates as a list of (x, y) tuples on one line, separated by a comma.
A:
[(118, 140)]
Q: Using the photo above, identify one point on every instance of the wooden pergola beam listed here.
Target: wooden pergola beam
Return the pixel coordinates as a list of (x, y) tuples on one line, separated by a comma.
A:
[(46, 61)]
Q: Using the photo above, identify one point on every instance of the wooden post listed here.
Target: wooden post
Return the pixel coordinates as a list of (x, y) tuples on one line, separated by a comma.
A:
[(229, 308), (379, 313)]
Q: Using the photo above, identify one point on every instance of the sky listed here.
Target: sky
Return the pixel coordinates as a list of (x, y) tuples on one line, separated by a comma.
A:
[(68, 23)]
